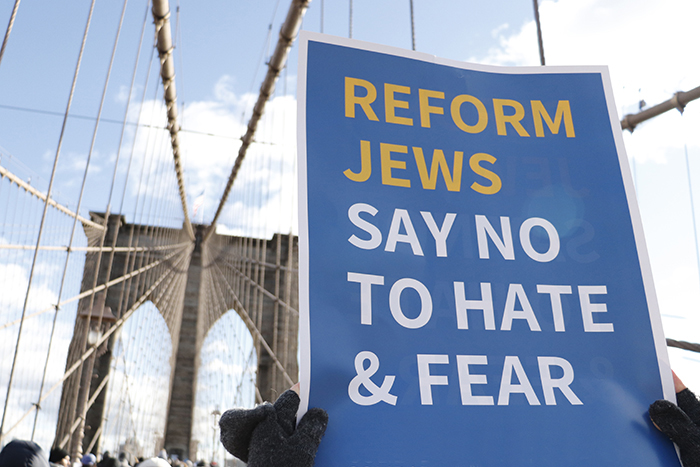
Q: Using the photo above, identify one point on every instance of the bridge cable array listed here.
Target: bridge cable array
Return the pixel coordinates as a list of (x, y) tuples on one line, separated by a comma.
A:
[(120, 288)]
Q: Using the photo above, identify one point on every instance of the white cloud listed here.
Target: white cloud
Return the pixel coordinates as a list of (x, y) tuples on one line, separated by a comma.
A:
[(264, 189), (15, 279), (209, 143), (122, 95), (32, 354), (650, 49), (647, 45), (500, 30)]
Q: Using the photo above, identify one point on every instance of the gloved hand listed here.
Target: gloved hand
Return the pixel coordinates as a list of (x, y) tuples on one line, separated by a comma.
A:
[(265, 436), (680, 422)]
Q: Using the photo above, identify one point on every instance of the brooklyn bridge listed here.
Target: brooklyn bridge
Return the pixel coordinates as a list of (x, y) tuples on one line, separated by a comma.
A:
[(148, 245)]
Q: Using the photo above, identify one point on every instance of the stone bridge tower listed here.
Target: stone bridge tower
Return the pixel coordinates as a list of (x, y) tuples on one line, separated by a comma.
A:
[(257, 278)]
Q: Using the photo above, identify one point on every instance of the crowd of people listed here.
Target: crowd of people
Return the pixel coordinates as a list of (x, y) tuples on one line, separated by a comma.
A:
[(21, 453), (268, 436)]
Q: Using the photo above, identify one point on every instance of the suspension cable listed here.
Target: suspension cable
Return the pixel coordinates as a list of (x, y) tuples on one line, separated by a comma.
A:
[(84, 389), (9, 28), (288, 33), (413, 27), (251, 325), (692, 208), (539, 31), (113, 282), (36, 193), (93, 348), (83, 407), (161, 16), (43, 217), (678, 101)]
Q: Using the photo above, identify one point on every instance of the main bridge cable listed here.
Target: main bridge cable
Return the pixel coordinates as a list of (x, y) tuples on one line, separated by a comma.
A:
[(161, 16), (288, 32)]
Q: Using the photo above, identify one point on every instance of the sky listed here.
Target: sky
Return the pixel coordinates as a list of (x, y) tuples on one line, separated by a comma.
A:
[(221, 49)]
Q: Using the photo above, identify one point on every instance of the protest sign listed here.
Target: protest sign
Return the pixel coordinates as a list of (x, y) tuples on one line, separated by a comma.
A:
[(474, 285)]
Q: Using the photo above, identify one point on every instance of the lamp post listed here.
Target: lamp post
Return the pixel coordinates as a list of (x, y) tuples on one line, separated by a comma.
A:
[(156, 442), (214, 414), (94, 320)]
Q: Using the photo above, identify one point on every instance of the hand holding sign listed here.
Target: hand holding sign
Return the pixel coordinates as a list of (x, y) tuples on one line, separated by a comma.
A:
[(265, 436), (680, 422)]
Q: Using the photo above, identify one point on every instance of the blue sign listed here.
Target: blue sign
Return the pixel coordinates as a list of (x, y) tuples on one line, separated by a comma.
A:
[(474, 284)]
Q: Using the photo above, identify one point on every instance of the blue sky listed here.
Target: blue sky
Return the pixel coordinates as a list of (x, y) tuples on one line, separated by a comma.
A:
[(222, 47)]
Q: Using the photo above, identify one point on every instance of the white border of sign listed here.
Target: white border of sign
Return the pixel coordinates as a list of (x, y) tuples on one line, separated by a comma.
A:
[(304, 324)]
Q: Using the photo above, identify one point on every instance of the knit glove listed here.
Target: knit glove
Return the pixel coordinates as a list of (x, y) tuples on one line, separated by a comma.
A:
[(681, 424), (265, 436)]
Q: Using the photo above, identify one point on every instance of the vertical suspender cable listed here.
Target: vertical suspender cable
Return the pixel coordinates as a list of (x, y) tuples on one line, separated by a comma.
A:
[(9, 28), (81, 408), (539, 31), (178, 45), (130, 259), (692, 209), (413, 28), (43, 216), (116, 164), (128, 106)]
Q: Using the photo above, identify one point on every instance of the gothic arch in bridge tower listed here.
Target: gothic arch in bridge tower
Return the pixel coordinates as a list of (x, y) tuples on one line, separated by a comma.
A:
[(256, 278)]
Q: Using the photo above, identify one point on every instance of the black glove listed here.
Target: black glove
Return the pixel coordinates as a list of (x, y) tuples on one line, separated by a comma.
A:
[(266, 436), (680, 423)]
